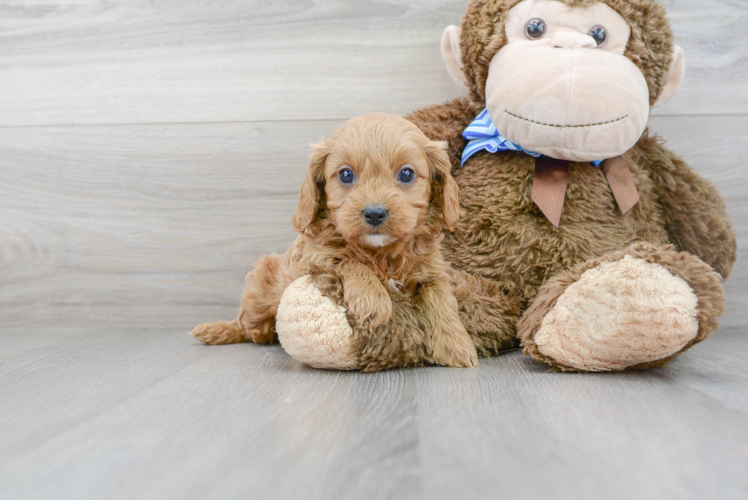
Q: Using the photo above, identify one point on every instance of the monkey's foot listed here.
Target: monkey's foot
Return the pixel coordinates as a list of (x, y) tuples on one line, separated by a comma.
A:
[(635, 309), (313, 329)]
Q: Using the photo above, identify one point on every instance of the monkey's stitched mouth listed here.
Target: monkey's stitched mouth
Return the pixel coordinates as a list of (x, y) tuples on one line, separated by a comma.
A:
[(565, 126)]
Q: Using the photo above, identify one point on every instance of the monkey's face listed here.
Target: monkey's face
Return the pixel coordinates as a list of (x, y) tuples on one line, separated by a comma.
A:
[(562, 86), (561, 83)]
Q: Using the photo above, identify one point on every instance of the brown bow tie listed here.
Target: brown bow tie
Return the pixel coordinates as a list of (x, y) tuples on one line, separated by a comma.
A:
[(552, 177)]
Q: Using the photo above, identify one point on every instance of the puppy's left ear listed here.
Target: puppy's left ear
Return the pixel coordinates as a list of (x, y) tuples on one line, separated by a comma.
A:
[(311, 191), (445, 190)]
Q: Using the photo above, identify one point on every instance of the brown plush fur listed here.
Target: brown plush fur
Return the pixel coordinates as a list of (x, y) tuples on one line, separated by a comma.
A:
[(701, 278), (505, 243), (335, 250), (695, 215), (505, 239), (487, 307)]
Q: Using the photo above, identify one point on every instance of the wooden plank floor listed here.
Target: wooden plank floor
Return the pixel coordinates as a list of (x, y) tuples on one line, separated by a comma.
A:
[(115, 414), (151, 151)]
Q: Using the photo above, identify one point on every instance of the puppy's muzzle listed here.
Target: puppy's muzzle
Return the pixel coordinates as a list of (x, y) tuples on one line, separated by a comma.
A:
[(375, 215)]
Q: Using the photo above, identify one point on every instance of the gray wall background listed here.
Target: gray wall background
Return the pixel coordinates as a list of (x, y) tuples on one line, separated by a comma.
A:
[(150, 152)]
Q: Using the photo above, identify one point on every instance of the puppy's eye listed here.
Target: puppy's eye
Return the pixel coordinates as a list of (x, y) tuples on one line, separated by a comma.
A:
[(406, 175), (600, 34), (346, 176), (535, 29)]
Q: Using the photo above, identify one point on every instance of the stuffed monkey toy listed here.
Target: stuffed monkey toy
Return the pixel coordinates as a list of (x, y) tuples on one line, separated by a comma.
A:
[(582, 238)]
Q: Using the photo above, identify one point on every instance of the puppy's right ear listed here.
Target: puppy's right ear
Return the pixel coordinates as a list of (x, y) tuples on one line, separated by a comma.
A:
[(446, 193), (311, 190)]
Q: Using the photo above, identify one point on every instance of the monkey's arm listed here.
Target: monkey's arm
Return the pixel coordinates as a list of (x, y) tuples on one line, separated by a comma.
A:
[(695, 214), (446, 122)]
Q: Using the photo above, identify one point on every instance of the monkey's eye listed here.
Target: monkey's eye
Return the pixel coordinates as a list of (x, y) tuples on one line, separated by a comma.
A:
[(406, 175), (346, 176), (600, 34), (535, 29)]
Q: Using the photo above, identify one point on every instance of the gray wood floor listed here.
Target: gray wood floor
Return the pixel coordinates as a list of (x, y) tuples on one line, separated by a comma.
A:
[(120, 414), (151, 151)]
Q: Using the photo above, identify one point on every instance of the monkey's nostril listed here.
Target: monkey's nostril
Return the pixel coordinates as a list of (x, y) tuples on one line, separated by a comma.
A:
[(375, 215), (572, 40)]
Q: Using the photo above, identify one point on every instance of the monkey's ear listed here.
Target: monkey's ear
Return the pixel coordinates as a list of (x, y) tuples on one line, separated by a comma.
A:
[(675, 76), (445, 192), (310, 194), (452, 54)]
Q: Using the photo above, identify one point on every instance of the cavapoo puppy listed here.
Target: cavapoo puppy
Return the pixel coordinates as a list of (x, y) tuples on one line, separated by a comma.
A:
[(370, 214)]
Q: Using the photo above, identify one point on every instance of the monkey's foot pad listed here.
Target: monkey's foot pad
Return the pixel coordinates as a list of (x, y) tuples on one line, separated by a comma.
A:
[(620, 314), (313, 329)]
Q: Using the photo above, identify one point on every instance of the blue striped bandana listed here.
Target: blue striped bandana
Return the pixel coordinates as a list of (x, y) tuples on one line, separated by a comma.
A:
[(483, 135)]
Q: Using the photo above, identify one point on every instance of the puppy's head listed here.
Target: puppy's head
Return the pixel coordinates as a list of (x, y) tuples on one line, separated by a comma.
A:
[(379, 180)]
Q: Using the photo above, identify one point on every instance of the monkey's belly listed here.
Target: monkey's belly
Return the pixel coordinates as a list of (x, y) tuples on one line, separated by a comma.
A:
[(503, 235)]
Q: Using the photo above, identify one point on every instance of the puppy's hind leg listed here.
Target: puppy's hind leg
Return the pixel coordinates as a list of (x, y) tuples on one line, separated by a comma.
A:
[(219, 332), (263, 289)]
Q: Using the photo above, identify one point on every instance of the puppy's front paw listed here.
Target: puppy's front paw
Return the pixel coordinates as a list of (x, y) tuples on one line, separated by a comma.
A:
[(372, 305), (455, 349)]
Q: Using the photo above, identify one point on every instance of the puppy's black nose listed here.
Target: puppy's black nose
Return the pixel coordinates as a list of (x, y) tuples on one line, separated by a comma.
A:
[(375, 215)]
